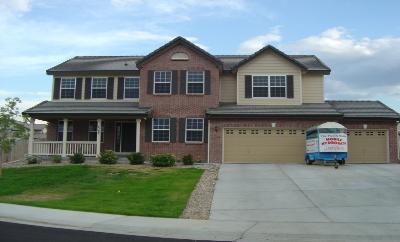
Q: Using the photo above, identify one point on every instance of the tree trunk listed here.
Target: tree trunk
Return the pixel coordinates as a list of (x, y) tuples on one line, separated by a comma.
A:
[(1, 166)]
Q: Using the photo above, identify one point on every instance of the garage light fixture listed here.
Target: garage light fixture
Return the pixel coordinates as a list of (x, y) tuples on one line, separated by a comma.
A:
[(273, 125), (365, 126)]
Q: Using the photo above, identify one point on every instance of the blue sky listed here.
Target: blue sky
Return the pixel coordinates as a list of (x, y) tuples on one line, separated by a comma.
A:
[(359, 40)]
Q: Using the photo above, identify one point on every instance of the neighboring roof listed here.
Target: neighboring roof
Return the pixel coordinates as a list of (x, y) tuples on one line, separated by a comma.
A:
[(57, 108), (233, 110), (305, 62), (364, 109), (179, 41), (346, 109)]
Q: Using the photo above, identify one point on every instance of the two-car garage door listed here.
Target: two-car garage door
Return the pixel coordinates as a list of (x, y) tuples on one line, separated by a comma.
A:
[(288, 145)]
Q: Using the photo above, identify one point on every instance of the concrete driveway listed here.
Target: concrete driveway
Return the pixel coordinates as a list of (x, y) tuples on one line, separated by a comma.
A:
[(299, 193)]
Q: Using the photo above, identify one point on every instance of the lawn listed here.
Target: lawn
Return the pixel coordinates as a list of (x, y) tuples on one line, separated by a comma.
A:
[(141, 191)]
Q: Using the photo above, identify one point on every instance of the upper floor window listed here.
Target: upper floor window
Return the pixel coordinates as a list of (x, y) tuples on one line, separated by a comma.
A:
[(194, 130), (60, 130), (92, 131), (131, 87), (162, 82), (99, 87), (195, 82), (269, 86), (161, 129), (67, 88)]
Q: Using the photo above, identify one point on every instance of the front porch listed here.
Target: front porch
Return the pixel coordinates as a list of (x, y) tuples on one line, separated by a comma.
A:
[(87, 131)]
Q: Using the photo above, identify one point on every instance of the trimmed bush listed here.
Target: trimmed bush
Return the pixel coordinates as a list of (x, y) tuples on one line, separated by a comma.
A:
[(187, 160), (163, 160), (56, 158), (32, 159), (108, 157), (136, 158), (77, 158)]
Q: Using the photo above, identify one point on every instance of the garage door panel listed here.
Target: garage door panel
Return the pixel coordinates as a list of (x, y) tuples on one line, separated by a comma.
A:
[(264, 146), (367, 146)]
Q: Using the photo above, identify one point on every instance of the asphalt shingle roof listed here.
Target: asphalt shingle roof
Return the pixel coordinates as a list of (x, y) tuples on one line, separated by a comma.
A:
[(53, 108), (364, 109)]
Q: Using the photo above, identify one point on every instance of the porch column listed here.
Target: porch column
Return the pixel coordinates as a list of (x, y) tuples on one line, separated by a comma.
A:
[(98, 138), (31, 134), (65, 135), (138, 135)]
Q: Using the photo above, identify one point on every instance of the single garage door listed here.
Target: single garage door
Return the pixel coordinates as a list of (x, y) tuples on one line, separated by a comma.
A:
[(264, 146), (368, 146)]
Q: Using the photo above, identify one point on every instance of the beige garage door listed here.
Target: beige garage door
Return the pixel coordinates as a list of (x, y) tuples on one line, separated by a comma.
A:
[(264, 146), (368, 146)]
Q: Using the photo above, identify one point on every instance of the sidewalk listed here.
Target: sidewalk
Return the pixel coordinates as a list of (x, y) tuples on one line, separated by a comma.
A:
[(199, 229)]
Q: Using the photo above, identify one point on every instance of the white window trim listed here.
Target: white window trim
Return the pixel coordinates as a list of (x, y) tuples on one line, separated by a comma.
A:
[(202, 132), (152, 131), (102, 131), (72, 131), (154, 84), (130, 98), (269, 86), (61, 79), (187, 84), (91, 88)]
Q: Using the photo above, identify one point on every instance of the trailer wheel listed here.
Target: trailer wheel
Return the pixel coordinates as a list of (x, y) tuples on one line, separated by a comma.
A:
[(309, 162)]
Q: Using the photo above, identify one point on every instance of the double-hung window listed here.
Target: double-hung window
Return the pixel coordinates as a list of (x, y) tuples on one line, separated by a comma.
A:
[(99, 87), (161, 130), (60, 130), (131, 87), (260, 86), (162, 82), (278, 86), (92, 131), (194, 130), (195, 82), (67, 88), (269, 86)]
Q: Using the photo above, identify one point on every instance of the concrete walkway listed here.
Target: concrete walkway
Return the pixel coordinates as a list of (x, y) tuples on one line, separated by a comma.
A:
[(308, 194)]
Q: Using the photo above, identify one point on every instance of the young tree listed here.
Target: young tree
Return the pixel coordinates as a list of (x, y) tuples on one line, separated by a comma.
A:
[(10, 129)]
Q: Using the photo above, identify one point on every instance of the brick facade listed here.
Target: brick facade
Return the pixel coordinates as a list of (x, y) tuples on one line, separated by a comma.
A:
[(178, 105), (217, 126)]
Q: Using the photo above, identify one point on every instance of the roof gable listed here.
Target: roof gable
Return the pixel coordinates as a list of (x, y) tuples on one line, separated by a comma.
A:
[(178, 41), (274, 50)]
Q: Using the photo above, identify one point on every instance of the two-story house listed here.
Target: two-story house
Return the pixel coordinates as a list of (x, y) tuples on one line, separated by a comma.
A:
[(220, 108)]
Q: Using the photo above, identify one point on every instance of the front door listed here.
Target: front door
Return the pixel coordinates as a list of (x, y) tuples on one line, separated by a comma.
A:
[(125, 135)]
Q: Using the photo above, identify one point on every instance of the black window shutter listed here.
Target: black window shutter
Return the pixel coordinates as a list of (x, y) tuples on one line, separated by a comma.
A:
[(120, 94), (183, 82), (174, 82), (205, 130), (182, 124), (172, 130), (289, 83), (78, 88), (57, 83), (207, 83), (110, 88), (247, 86), (88, 87), (147, 133), (150, 80)]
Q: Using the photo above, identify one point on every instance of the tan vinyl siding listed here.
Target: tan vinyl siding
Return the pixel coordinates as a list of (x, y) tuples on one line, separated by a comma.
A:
[(313, 88), (228, 88), (269, 63)]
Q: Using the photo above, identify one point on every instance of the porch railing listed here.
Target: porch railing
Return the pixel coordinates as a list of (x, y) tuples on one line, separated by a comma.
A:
[(87, 148)]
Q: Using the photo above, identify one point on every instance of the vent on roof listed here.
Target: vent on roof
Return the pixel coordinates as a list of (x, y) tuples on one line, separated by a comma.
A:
[(179, 56)]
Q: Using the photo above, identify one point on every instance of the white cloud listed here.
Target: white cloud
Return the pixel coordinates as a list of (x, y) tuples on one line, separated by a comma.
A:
[(251, 45), (15, 5)]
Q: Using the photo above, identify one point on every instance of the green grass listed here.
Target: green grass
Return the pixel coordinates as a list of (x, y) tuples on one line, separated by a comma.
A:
[(129, 191)]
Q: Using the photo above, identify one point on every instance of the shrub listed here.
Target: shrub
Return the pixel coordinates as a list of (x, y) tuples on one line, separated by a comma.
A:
[(108, 157), (77, 158), (188, 160), (163, 160), (56, 158), (32, 159), (136, 158)]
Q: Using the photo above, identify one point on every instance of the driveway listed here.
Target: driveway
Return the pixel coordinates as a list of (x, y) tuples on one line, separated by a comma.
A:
[(299, 193)]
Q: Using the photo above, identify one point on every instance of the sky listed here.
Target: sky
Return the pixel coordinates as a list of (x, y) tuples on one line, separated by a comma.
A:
[(359, 40)]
